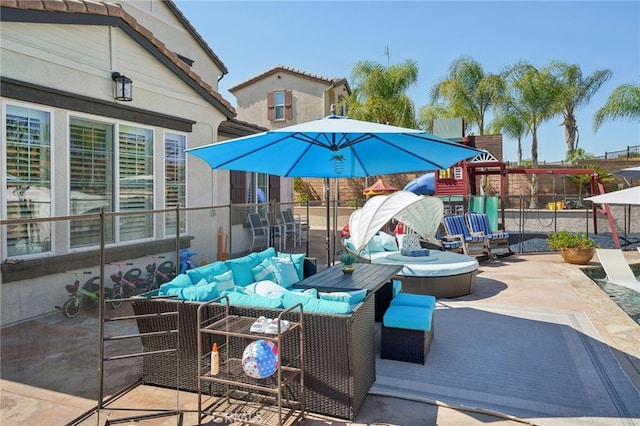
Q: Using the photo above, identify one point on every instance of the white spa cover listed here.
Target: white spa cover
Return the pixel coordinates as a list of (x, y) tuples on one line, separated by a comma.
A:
[(422, 214)]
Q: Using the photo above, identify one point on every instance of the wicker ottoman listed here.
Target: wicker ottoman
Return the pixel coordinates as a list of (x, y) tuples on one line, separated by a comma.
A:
[(407, 332)]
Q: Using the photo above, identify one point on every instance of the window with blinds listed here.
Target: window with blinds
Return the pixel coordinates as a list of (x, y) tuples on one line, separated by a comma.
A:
[(175, 180), (91, 173), (135, 153), (98, 173), (28, 187)]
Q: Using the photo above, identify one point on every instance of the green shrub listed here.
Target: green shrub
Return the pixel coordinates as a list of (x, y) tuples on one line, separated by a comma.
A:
[(566, 239)]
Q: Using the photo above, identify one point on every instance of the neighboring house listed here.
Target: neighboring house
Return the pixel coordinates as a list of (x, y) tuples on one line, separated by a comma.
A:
[(69, 147), (281, 97)]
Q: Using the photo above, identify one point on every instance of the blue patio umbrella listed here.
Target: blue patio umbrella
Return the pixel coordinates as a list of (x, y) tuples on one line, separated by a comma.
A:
[(335, 147)]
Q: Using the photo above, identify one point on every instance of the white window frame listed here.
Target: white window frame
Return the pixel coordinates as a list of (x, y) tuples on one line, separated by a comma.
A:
[(3, 177), (279, 107), (116, 184)]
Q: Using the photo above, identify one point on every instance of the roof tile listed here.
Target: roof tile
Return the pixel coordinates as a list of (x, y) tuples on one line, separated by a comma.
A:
[(75, 6)]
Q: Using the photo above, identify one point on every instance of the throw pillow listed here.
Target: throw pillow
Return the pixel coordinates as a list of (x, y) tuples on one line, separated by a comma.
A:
[(224, 281), (388, 241), (375, 245), (266, 253), (298, 262), (286, 274), (206, 271), (180, 281), (264, 271), (266, 289), (411, 242), (241, 268)]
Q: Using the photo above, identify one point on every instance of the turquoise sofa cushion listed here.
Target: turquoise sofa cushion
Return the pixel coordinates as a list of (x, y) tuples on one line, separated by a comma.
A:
[(350, 297), (241, 268), (253, 300), (408, 317), (310, 304), (201, 292), (206, 271), (173, 286)]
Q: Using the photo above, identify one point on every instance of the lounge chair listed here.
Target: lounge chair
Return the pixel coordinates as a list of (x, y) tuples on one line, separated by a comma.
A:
[(479, 223), (618, 270), (454, 245), (259, 232), (473, 244)]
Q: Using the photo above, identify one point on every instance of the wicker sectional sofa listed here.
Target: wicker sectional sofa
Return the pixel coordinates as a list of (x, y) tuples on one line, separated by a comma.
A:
[(339, 351)]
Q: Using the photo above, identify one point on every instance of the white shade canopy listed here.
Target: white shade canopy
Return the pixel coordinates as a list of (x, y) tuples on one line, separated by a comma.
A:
[(422, 214), (629, 196)]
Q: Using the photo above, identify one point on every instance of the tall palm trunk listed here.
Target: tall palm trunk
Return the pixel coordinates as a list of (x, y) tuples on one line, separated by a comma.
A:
[(534, 178), (570, 132), (519, 150)]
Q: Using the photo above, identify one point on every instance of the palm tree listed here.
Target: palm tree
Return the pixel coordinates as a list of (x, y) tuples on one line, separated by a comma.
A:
[(512, 126), (578, 154), (624, 102), (468, 91), (532, 95), (429, 113), (379, 93), (576, 92)]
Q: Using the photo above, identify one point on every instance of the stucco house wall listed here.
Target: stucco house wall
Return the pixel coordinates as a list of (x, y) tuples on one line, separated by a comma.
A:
[(65, 69)]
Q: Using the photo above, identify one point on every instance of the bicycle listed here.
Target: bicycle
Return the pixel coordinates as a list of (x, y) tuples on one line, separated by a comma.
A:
[(127, 284), (160, 274), (82, 297)]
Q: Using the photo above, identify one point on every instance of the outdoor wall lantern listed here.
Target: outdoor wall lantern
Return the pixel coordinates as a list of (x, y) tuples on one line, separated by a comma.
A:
[(122, 87)]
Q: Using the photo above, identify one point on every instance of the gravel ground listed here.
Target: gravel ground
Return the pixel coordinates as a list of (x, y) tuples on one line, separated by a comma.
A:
[(534, 242)]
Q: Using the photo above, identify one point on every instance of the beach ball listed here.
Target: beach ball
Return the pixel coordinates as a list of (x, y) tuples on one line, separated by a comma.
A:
[(260, 359)]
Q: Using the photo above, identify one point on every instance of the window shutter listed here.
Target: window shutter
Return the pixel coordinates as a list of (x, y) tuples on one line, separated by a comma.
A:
[(271, 111), (238, 193), (238, 187), (288, 101), (274, 188)]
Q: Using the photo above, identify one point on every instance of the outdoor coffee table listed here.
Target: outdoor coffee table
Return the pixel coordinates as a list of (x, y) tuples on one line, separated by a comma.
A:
[(367, 276)]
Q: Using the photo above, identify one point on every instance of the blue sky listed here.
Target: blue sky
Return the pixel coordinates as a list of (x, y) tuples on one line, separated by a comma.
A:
[(328, 38)]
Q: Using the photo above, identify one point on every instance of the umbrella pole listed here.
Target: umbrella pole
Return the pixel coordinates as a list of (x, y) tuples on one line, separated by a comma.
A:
[(328, 239)]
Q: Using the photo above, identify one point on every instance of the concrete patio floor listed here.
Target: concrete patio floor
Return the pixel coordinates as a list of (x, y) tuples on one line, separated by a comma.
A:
[(527, 281)]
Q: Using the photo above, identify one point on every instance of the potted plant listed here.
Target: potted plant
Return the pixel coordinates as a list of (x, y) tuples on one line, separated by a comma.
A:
[(347, 260), (574, 247)]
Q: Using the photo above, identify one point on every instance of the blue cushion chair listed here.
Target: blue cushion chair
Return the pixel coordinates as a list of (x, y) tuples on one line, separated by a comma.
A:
[(479, 224), (473, 244)]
